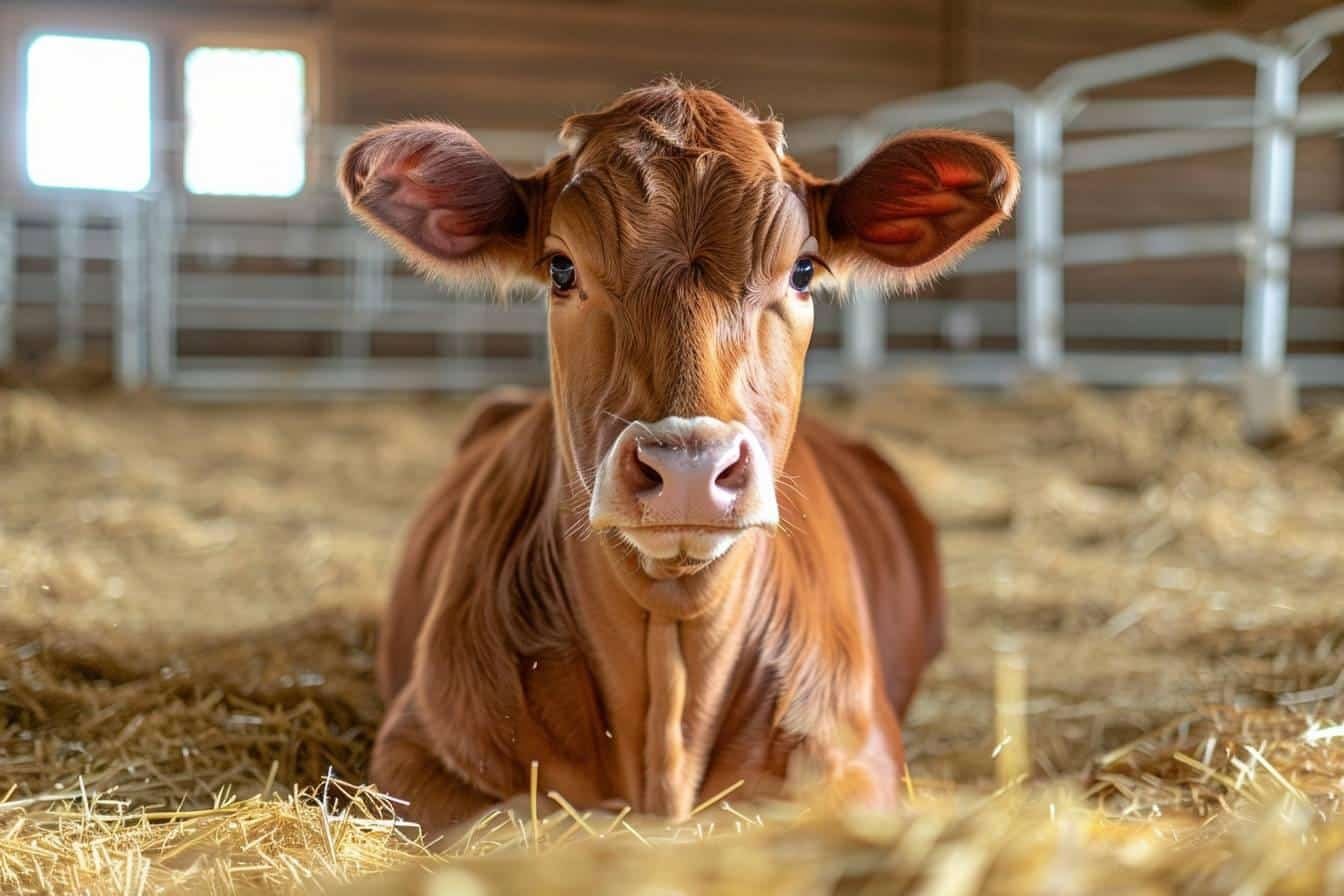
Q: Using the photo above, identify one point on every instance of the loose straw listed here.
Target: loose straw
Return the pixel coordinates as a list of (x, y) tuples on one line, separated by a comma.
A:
[(1012, 760)]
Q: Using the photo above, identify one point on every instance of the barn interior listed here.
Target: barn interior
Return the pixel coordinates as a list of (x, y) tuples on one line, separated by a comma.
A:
[(221, 401)]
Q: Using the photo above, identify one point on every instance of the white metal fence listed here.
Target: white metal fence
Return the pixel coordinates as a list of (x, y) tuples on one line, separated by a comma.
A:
[(166, 256)]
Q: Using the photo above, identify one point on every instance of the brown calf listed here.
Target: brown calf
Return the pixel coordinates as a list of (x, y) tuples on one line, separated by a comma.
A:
[(658, 580)]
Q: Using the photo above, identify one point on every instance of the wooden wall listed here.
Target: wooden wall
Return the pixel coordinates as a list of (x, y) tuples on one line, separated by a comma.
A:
[(1024, 40), (527, 63), (524, 63)]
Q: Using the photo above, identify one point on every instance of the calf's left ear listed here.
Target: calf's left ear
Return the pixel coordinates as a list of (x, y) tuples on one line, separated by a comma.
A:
[(916, 206)]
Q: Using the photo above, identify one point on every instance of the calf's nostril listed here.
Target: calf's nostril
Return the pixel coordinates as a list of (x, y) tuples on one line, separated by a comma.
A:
[(643, 476), (734, 476)]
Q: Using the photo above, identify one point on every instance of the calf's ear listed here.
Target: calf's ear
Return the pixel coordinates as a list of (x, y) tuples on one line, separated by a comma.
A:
[(433, 192), (918, 203)]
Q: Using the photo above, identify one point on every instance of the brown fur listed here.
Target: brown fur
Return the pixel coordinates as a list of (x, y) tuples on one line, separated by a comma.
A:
[(516, 634)]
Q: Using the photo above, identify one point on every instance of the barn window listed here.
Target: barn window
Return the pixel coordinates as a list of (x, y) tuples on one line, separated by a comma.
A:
[(246, 118), (87, 113)]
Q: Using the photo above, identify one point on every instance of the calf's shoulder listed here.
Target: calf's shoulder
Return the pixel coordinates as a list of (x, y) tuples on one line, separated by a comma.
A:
[(896, 548), (502, 447)]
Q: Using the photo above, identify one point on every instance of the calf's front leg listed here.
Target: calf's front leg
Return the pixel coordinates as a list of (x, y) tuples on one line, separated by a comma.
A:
[(860, 766), (403, 766)]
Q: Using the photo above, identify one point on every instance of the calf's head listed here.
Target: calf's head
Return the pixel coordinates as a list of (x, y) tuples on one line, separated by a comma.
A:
[(680, 246)]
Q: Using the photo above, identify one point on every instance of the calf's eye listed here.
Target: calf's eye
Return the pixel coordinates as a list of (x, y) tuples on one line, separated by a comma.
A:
[(800, 278), (562, 273)]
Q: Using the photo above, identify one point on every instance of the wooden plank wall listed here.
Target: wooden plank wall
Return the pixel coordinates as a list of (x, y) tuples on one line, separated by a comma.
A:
[(528, 63), (525, 63), (1024, 40)]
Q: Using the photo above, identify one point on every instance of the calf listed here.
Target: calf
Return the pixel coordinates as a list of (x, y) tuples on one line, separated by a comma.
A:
[(658, 579)]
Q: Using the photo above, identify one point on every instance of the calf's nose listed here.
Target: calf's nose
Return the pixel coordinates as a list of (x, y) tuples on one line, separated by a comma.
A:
[(688, 482)]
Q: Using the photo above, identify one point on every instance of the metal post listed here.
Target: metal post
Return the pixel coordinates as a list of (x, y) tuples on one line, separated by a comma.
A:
[(1040, 145), (131, 298), (69, 273), (163, 291), (9, 263), (369, 295), (1269, 393), (865, 316)]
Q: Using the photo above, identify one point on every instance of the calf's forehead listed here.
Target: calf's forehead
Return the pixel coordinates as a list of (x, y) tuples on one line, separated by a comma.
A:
[(710, 219)]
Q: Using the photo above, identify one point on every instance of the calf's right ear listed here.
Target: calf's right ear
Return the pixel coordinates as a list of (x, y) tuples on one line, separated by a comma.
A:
[(433, 192)]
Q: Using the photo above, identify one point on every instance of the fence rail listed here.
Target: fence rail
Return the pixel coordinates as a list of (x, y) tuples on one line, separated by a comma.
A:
[(163, 246)]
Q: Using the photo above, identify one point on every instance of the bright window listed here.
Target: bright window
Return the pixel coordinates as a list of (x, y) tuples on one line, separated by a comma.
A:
[(245, 122), (87, 113)]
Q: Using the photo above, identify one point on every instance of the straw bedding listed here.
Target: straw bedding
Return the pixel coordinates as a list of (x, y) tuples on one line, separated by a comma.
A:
[(188, 599)]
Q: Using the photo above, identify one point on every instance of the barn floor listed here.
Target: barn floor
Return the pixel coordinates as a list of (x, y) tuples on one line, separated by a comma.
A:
[(187, 606)]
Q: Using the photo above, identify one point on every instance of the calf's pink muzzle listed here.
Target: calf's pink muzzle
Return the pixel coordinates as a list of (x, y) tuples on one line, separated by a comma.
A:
[(684, 488)]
